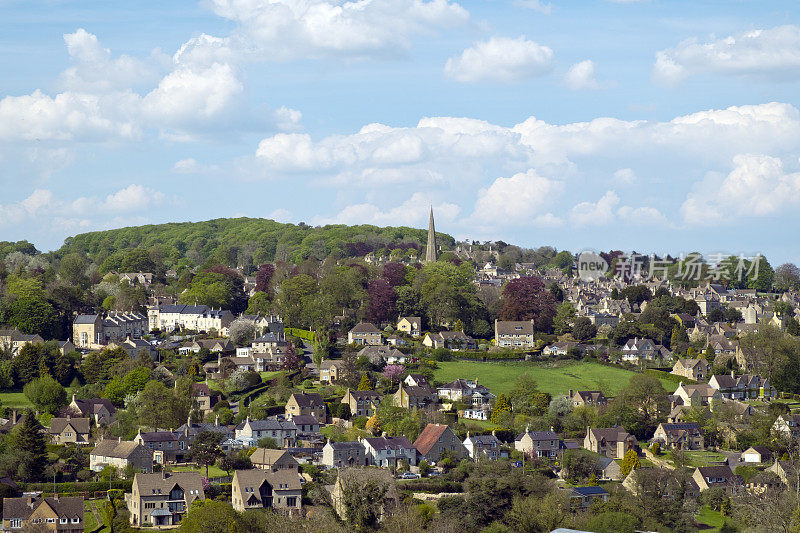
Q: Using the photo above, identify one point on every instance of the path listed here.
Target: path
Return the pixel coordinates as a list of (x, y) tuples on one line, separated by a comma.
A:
[(657, 461), (96, 515)]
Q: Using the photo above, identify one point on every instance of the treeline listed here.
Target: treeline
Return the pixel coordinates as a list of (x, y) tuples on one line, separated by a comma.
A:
[(245, 242)]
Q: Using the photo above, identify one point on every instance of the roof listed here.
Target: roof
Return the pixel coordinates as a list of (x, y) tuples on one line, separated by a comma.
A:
[(365, 327), (346, 445), (610, 434), (266, 456), (310, 399), (590, 491), (23, 508), (86, 319), (158, 436), (280, 480), (57, 425), (427, 439), (385, 443), (539, 435), (304, 420), (92, 405), (716, 471), (121, 449), (161, 483), (507, 327)]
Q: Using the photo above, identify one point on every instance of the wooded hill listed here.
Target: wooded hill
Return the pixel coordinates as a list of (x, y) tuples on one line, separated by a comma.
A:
[(246, 241)]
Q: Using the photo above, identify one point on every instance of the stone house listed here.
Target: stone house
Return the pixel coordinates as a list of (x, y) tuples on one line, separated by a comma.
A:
[(411, 325), (694, 369), (278, 490), (311, 404), (69, 430), (435, 439), (341, 454), (119, 454), (543, 444), (362, 402), (365, 333), (609, 442), (34, 513), (514, 334), (162, 500)]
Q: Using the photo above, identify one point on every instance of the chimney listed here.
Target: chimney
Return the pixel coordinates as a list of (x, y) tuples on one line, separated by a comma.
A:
[(73, 397), (216, 421), (119, 439), (733, 375), (494, 433), (571, 393)]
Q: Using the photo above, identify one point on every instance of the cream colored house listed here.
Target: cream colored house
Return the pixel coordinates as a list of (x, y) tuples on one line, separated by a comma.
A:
[(266, 489)]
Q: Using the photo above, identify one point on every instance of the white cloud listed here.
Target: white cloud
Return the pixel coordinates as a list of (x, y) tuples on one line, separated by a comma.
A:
[(132, 198), (757, 186), (518, 198), (413, 212), (625, 176), (598, 213), (536, 5), (581, 76), (280, 215), (284, 29), (93, 68), (500, 60), (191, 166), (770, 53)]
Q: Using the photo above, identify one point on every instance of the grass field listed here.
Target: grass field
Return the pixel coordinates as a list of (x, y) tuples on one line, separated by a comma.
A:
[(703, 458), (14, 399), (711, 518), (213, 471), (555, 378), (90, 522)]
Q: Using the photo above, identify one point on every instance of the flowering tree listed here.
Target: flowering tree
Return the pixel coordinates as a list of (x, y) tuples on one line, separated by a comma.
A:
[(393, 372)]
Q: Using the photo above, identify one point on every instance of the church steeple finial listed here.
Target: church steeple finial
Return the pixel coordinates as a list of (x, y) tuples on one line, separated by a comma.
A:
[(430, 249)]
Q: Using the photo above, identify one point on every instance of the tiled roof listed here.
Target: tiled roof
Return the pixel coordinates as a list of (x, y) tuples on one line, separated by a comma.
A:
[(429, 436), (22, 508)]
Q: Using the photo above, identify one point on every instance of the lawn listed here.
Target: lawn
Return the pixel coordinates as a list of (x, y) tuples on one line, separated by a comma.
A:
[(14, 399), (89, 521), (213, 471), (705, 458), (556, 378), (709, 517)]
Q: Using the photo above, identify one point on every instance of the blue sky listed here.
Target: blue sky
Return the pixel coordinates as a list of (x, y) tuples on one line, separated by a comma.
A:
[(656, 126)]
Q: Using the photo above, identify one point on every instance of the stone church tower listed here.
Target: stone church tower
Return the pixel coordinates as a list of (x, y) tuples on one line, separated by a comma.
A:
[(430, 249)]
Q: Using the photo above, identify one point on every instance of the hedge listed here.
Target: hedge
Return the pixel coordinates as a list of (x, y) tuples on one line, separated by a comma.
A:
[(304, 334), (432, 487), (660, 374), (78, 486)]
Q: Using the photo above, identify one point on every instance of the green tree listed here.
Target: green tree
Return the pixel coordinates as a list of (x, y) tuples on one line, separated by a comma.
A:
[(28, 438), (630, 462), (205, 449), (46, 394), (365, 383), (583, 329), (501, 406)]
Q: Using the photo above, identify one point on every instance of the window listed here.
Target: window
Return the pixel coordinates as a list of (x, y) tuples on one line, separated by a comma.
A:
[(16, 523), (63, 521), (51, 520), (291, 501), (76, 520)]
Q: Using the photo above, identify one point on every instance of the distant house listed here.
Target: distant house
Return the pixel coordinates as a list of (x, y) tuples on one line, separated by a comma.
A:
[(583, 497), (701, 394), (306, 404), (416, 380), (284, 432), (279, 491), (378, 355), (341, 454), (329, 371), (120, 454), (412, 325), (387, 452), (34, 513), (637, 349), (173, 317), (365, 333), (609, 469), (96, 331), (757, 454), (452, 340), (307, 427), (543, 444), (609, 442), (694, 369), (592, 398), (274, 460), (487, 446), (411, 397), (469, 392), (362, 402), (69, 430), (514, 334), (787, 424), (708, 477), (559, 349), (743, 387), (201, 394), (163, 499), (680, 436), (167, 446), (435, 439), (101, 410)]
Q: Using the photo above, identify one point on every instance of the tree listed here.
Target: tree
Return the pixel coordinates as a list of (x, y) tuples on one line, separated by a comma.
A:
[(241, 331), (527, 299), (28, 438), (565, 315), (46, 394), (264, 276), (393, 372), (630, 462), (636, 294), (291, 361), (234, 460), (579, 464), (205, 450), (501, 406), (155, 406), (394, 274), (381, 300), (268, 443), (787, 277), (365, 383), (583, 329)]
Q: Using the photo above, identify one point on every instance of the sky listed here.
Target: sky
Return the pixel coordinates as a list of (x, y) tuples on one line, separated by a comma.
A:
[(661, 126)]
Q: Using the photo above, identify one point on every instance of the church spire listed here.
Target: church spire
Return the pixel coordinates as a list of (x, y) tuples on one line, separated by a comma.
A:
[(430, 249)]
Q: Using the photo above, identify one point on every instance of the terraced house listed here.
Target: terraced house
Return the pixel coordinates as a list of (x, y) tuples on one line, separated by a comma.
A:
[(173, 317), (95, 331), (362, 402)]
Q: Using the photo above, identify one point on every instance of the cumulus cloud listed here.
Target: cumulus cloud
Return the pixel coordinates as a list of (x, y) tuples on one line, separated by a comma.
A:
[(521, 197), (605, 211), (412, 212), (500, 60), (284, 29), (770, 53), (757, 186), (536, 5), (191, 166), (581, 76), (625, 175), (93, 68)]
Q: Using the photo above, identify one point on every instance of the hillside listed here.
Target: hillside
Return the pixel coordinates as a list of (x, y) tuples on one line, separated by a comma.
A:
[(247, 241)]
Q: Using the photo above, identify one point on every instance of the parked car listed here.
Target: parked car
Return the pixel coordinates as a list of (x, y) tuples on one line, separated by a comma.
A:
[(409, 475)]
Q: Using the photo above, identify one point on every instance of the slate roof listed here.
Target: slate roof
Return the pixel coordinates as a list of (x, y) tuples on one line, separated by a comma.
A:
[(22, 508), (590, 491), (162, 484), (365, 327), (346, 445), (311, 399), (385, 443), (92, 405), (116, 448), (57, 425), (85, 319)]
